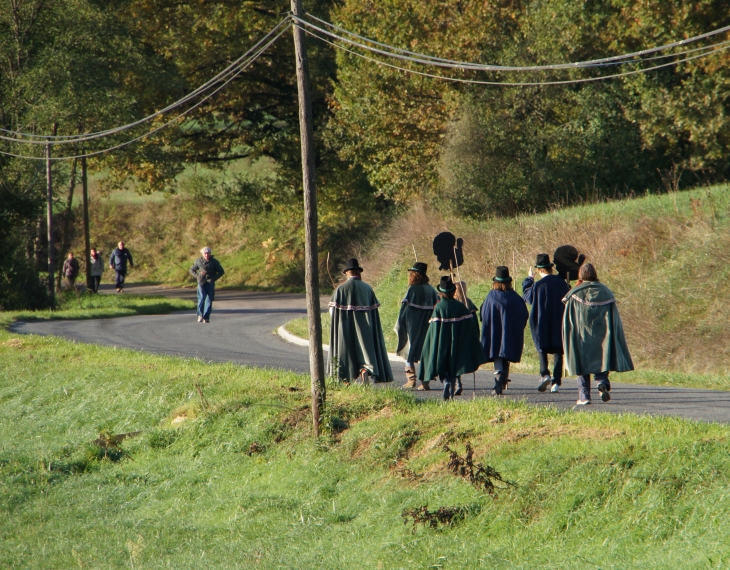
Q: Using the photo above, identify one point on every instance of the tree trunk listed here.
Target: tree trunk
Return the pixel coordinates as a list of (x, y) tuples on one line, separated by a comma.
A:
[(67, 221), (49, 216), (311, 257), (87, 240)]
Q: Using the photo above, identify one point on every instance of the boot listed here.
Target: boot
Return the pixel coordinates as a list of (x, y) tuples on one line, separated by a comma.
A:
[(424, 385), (410, 379)]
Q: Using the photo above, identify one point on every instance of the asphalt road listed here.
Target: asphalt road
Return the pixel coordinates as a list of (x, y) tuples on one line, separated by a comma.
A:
[(243, 330)]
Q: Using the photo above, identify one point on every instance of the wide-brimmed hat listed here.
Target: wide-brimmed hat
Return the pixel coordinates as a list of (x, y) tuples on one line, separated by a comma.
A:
[(420, 267), (352, 264), (502, 275), (446, 285), (543, 261)]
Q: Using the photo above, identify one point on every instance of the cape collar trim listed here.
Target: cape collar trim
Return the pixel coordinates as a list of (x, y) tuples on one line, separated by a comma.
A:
[(592, 303), (425, 307), (456, 320), (353, 307)]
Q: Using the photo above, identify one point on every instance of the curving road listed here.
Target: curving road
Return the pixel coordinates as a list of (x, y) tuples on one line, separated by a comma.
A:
[(243, 330)]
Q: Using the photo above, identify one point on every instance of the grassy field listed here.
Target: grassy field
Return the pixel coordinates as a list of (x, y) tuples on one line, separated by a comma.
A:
[(667, 259), (223, 473)]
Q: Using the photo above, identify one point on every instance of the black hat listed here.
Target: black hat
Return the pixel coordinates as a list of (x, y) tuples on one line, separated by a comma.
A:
[(352, 264), (420, 267), (446, 285), (543, 261), (502, 275)]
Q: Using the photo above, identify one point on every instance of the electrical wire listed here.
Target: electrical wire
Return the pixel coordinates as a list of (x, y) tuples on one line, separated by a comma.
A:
[(724, 46), (153, 131), (68, 139), (423, 58)]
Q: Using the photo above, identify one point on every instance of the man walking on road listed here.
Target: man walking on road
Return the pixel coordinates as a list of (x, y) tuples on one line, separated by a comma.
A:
[(206, 270), (118, 262)]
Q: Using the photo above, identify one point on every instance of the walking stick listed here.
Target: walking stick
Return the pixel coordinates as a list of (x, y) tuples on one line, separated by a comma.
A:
[(328, 271), (414, 252), (474, 392)]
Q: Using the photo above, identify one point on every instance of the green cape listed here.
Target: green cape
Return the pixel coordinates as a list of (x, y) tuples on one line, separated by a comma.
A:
[(452, 342), (593, 336), (356, 336), (412, 324)]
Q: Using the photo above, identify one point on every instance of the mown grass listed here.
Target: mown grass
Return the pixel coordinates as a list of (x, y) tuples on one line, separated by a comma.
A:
[(667, 259), (234, 480)]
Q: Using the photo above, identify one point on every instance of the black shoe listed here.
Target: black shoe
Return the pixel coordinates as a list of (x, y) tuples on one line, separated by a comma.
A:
[(458, 390), (603, 390)]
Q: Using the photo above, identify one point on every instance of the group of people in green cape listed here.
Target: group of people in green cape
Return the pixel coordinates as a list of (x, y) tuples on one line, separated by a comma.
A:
[(439, 328)]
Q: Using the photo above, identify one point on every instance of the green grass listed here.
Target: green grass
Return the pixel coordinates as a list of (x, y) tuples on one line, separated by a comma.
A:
[(239, 483)]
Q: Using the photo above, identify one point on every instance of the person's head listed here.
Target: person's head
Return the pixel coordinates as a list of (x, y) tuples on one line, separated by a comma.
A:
[(543, 265), (353, 273), (587, 272), (93, 252), (206, 252), (446, 287), (352, 268), (121, 245), (70, 254), (417, 273), (502, 280)]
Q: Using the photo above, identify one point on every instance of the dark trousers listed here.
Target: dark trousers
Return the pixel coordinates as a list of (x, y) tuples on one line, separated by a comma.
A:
[(95, 281), (501, 373), (557, 366), (206, 292), (449, 385), (584, 384), (120, 279)]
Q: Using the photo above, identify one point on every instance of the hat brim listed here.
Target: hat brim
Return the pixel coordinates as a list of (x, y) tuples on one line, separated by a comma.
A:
[(502, 279), (445, 290), (419, 270), (352, 269), (545, 266)]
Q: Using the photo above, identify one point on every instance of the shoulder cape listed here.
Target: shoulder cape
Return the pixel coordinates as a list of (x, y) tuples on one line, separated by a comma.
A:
[(504, 316), (412, 324), (546, 317)]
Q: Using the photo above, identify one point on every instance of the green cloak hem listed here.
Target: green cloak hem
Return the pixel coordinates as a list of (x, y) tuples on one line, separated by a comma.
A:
[(452, 342), (593, 335)]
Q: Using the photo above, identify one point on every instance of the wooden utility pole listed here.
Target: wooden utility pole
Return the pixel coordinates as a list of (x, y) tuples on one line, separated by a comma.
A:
[(311, 255), (65, 241), (49, 217), (85, 200)]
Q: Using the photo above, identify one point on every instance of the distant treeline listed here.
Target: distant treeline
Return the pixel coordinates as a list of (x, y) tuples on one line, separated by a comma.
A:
[(384, 137)]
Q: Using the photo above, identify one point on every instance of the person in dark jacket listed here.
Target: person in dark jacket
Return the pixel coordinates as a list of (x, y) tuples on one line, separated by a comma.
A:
[(504, 316), (206, 271), (118, 262), (71, 269), (451, 347), (415, 311), (546, 319), (96, 269)]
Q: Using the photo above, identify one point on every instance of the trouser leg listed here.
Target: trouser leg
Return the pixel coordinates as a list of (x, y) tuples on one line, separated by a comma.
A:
[(557, 369), (584, 387), (543, 357), (201, 301), (501, 367), (95, 281), (208, 300), (120, 279), (448, 385), (602, 378)]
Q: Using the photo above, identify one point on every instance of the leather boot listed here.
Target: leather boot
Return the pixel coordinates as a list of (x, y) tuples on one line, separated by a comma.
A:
[(424, 385), (410, 379)]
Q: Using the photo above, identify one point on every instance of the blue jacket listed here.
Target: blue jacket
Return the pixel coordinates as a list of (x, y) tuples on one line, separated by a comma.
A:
[(546, 318), (119, 258), (504, 316)]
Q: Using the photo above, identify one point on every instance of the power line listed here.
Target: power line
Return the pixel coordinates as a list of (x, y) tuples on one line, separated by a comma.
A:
[(233, 68), (393, 51), (242, 67), (718, 47)]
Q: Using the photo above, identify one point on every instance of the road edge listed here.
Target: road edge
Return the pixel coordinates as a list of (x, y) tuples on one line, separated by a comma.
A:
[(299, 341)]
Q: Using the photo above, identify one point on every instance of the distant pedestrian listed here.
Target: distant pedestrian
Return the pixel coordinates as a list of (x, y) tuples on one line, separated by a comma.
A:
[(593, 335), (118, 262), (357, 345), (415, 311), (70, 270), (504, 316), (546, 319), (452, 347), (96, 268), (206, 271)]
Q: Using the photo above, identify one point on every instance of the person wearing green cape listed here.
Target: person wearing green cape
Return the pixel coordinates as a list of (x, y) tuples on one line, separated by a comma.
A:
[(593, 335), (415, 311), (451, 347), (357, 345)]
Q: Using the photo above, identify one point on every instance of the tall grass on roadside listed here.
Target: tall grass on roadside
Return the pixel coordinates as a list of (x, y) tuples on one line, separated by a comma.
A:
[(224, 473)]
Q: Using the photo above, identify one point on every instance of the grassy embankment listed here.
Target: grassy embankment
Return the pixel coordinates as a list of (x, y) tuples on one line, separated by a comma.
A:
[(666, 258), (233, 480)]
